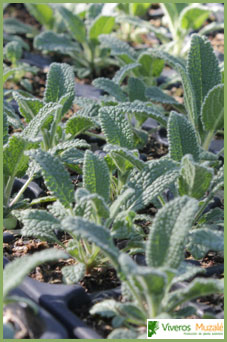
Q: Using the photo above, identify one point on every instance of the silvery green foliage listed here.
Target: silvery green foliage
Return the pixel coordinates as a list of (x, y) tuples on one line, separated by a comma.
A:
[(13, 51), (45, 115), (12, 118), (124, 71), (94, 233), (55, 175), (149, 183), (74, 273), (5, 128), (182, 137), (16, 270), (166, 241), (58, 210), (168, 58), (74, 24), (212, 110), (96, 175), (194, 179), (115, 127), (59, 42), (43, 13), (203, 240), (15, 26), (60, 85), (157, 95), (136, 89), (39, 224), (110, 87), (78, 124), (28, 107)]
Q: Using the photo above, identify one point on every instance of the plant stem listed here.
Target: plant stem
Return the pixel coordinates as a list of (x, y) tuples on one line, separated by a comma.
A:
[(208, 139), (24, 187)]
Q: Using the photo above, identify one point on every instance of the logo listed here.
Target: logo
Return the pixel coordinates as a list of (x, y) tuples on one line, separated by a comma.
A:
[(153, 326)]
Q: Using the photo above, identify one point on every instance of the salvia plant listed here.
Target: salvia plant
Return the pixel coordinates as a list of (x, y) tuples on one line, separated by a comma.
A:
[(117, 187)]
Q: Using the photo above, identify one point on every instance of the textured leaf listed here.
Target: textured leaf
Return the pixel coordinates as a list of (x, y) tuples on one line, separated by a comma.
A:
[(28, 107), (142, 111), (84, 198), (157, 95), (199, 287), (204, 240), (15, 26), (74, 24), (187, 271), (15, 162), (43, 13), (189, 96), (128, 156), (13, 51), (193, 17), (60, 83), (35, 125), (56, 177), (169, 230), (115, 127), (212, 110), (107, 308), (194, 179), (123, 72), (96, 234), (58, 210), (16, 270), (136, 89), (78, 124), (76, 143), (39, 224), (150, 182), (101, 25), (202, 68), (74, 273), (96, 175), (51, 42), (169, 59), (182, 137), (72, 156), (110, 87), (150, 66), (118, 48)]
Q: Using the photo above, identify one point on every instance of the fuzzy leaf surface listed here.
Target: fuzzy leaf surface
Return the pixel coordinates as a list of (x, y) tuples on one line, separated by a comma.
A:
[(74, 24), (123, 72), (74, 273), (182, 137), (55, 175), (103, 24), (78, 124), (28, 107), (96, 175), (166, 242), (110, 87)]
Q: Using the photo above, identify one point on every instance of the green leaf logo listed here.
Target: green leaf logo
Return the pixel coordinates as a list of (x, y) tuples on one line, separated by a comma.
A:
[(153, 326)]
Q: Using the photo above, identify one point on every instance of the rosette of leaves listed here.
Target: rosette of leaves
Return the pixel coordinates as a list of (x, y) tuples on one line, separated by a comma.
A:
[(79, 39), (149, 290)]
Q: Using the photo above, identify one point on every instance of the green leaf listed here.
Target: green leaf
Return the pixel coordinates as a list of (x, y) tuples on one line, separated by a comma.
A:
[(55, 42), (150, 66), (199, 287), (193, 17), (13, 51), (110, 87), (118, 48), (56, 177), (106, 308), (43, 13), (129, 158), (123, 72), (157, 95), (169, 230), (194, 179), (182, 137), (169, 59), (47, 112), (115, 127), (204, 240), (202, 68), (101, 25), (76, 143), (16, 270), (123, 333), (142, 111), (187, 271), (15, 163), (28, 107), (58, 210), (212, 110), (74, 273), (74, 24), (15, 26), (136, 89), (78, 124), (39, 224), (96, 234), (96, 177), (150, 182), (60, 83)]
